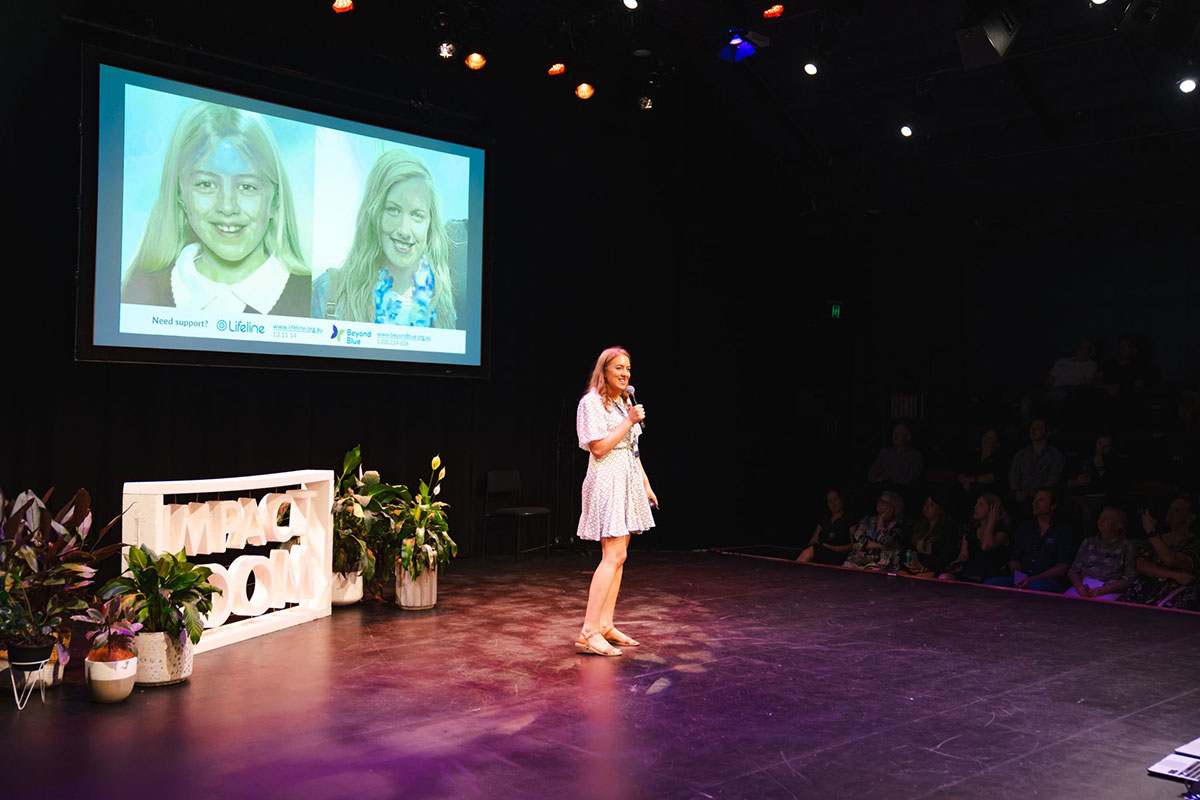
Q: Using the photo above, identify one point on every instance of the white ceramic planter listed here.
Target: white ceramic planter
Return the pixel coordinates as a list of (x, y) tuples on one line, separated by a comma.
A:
[(163, 659), (111, 681), (347, 589), (416, 594)]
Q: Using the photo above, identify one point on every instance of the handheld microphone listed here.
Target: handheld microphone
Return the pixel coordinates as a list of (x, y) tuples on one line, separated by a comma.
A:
[(631, 393)]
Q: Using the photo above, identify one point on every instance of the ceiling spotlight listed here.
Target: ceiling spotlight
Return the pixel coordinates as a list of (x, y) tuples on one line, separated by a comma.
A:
[(341, 6), (645, 102), (630, 4), (447, 50), (475, 61), (906, 131), (810, 68), (773, 12), (1187, 85), (584, 90), (1099, 2), (557, 68), (738, 48)]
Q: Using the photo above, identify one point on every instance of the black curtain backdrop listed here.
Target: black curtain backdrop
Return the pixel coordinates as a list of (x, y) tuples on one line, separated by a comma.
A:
[(680, 236)]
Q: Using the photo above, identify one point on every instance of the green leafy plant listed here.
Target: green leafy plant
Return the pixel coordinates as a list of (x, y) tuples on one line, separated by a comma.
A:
[(46, 563), (360, 521), (419, 522), (165, 594), (112, 632)]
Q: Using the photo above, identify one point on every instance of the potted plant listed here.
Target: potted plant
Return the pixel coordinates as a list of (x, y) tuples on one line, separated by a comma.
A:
[(168, 596), (46, 562), (419, 522), (111, 666), (357, 509)]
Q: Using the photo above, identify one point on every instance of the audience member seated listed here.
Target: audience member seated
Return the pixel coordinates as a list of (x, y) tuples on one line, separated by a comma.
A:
[(1125, 379), (831, 541), (1169, 565), (1093, 483), (1037, 465), (1106, 565), (1043, 550), (899, 464), (983, 471), (1066, 376), (933, 543), (877, 538), (983, 552), (1095, 476)]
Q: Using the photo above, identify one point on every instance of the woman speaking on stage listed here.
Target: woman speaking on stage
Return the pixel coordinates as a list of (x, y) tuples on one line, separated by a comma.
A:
[(616, 493)]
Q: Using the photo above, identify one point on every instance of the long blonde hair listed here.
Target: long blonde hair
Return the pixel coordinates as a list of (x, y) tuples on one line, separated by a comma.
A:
[(596, 383), (352, 289), (199, 128)]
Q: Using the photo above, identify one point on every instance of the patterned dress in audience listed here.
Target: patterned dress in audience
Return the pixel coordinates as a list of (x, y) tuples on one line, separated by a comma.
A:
[(1162, 591), (1106, 563), (867, 530)]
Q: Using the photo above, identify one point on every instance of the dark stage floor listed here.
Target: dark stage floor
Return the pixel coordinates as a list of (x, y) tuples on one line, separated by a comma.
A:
[(756, 679)]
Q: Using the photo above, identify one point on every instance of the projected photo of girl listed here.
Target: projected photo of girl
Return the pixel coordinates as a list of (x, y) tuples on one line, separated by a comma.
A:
[(222, 234), (398, 269)]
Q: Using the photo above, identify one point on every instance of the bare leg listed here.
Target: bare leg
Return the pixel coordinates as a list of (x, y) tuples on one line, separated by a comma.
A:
[(606, 580), (606, 615), (806, 555)]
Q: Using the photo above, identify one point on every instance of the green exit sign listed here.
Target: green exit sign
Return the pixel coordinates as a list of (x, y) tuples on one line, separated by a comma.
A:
[(835, 310)]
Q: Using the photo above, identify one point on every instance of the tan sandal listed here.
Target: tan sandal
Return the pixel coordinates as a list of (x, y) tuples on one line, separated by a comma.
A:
[(584, 645), (614, 636)]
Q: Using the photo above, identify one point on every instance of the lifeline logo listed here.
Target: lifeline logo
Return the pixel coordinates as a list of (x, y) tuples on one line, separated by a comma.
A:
[(239, 326)]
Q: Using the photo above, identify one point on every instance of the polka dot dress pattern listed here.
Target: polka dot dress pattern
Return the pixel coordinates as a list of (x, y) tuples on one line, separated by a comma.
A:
[(614, 499)]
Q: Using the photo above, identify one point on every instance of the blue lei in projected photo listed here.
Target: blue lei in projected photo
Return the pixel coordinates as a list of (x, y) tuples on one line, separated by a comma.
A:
[(392, 308)]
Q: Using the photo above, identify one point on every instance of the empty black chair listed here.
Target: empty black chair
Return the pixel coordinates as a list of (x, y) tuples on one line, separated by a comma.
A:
[(505, 487)]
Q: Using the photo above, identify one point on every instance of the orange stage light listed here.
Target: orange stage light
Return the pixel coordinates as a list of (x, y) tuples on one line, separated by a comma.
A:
[(584, 90), (557, 69), (476, 61), (343, 5), (774, 11)]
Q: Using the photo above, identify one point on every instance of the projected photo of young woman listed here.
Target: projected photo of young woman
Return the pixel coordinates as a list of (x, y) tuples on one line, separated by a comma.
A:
[(222, 235), (398, 268)]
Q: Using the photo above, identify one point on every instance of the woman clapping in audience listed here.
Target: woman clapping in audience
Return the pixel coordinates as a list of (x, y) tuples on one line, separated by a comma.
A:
[(983, 552), (1170, 561)]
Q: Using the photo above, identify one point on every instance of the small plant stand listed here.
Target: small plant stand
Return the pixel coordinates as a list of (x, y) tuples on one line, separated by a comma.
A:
[(31, 678)]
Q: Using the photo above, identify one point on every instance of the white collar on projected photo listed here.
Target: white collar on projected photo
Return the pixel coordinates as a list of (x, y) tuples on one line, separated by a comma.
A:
[(259, 291)]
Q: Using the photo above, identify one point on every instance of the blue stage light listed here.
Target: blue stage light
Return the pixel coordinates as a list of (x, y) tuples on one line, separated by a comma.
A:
[(738, 48)]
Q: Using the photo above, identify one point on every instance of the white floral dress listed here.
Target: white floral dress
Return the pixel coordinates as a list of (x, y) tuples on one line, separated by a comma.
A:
[(614, 498)]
